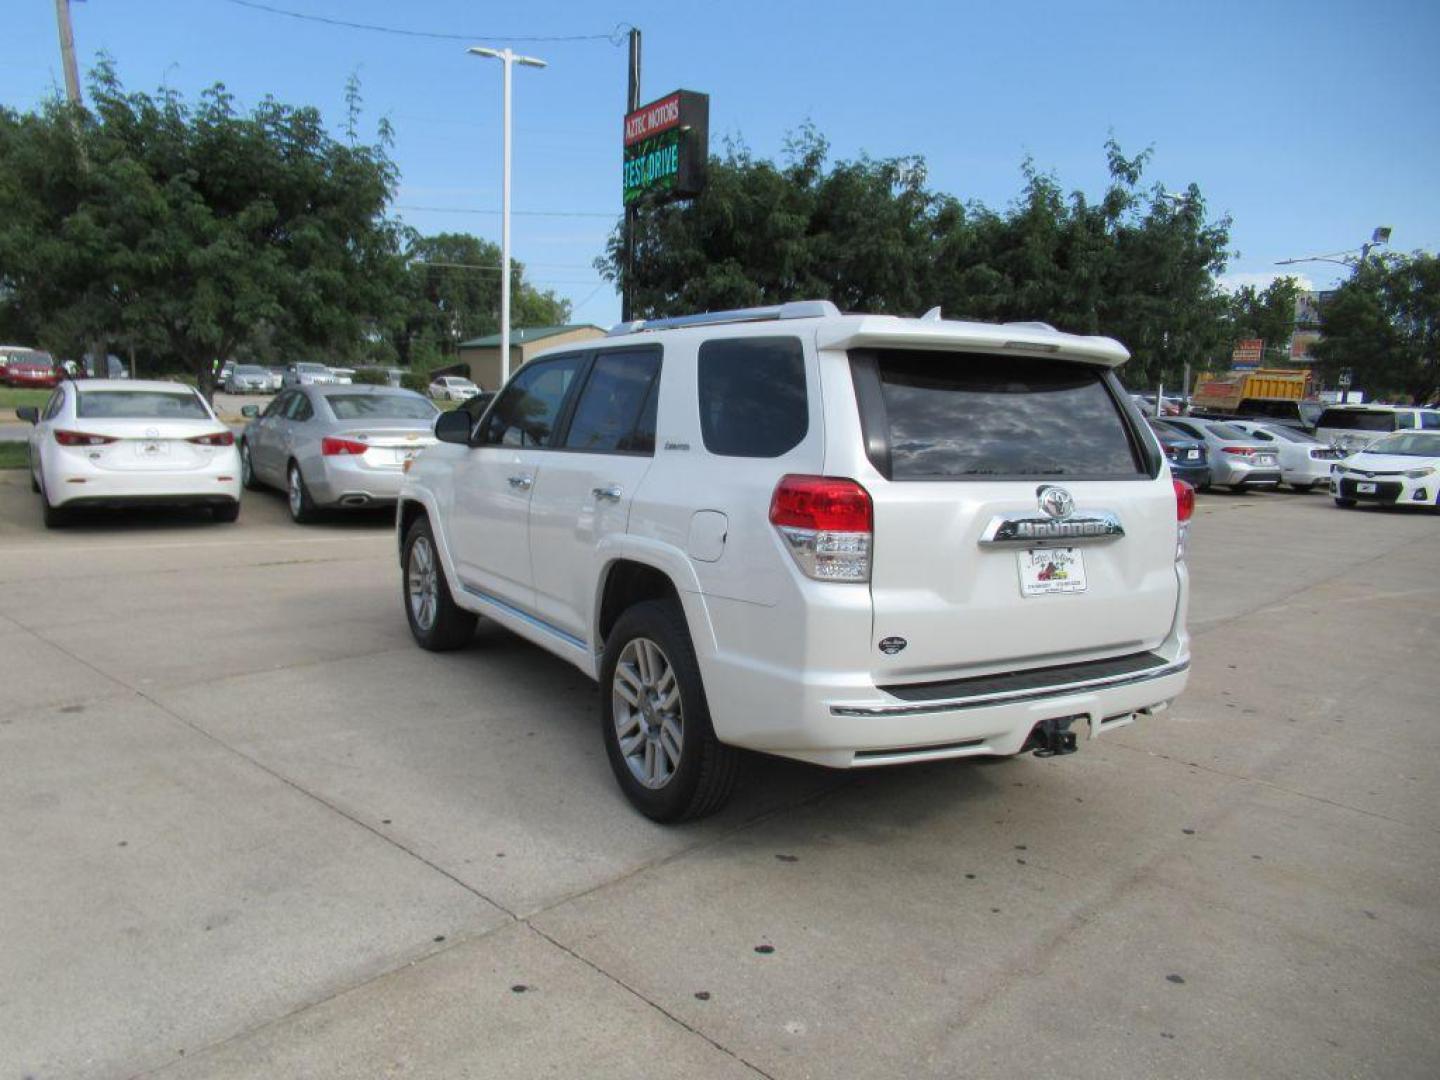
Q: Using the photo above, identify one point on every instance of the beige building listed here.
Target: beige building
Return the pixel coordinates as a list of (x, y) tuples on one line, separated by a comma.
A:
[(482, 355)]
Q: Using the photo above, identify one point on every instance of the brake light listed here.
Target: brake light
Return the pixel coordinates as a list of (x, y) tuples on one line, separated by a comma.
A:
[(1184, 511), (219, 438), (1242, 451), (80, 438), (827, 523), (330, 446)]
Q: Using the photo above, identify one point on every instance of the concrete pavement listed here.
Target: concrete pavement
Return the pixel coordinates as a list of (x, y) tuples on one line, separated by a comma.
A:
[(252, 830)]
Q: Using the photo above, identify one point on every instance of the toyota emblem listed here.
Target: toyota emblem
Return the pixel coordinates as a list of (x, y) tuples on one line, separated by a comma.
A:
[(1056, 502)]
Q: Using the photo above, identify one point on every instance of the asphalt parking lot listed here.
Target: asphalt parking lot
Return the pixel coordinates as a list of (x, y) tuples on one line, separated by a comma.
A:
[(251, 830)]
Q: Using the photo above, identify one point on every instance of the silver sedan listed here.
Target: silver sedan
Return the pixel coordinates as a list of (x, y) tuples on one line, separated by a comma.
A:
[(335, 446), (1304, 460), (1237, 461)]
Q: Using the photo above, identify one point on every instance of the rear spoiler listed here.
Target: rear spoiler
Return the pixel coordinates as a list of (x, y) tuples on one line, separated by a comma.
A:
[(1023, 339)]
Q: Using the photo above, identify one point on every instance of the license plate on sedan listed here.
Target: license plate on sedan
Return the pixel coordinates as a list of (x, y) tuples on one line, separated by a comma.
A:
[(1044, 571), (1192, 455), (402, 456), (1265, 459), (150, 448), (1365, 488)]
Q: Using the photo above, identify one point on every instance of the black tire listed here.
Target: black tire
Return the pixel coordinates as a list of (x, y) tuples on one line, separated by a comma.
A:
[(1302, 488), (1346, 503), (226, 512), (1239, 489), (701, 781), (55, 517), (247, 468), (302, 507), (34, 484), (450, 626)]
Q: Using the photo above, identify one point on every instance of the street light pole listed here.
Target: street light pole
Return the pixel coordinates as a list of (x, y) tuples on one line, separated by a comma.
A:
[(507, 57), (1379, 236)]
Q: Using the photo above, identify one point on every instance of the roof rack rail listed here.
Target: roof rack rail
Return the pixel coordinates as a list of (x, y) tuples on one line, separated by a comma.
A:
[(795, 309)]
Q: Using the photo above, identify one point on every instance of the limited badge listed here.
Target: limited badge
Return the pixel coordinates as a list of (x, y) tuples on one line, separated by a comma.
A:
[(891, 645)]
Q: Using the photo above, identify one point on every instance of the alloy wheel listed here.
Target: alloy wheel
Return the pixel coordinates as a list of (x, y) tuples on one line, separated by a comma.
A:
[(295, 492), (649, 716), (422, 583)]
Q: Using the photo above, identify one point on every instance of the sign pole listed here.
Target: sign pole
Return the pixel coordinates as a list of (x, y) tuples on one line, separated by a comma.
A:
[(632, 102)]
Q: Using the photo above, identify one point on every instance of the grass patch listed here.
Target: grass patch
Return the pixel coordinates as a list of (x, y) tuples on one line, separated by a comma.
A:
[(10, 397), (14, 455)]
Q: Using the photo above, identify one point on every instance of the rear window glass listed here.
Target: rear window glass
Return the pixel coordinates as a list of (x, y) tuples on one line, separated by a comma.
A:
[(380, 407), (973, 415), (1291, 435), (1225, 431), (1289, 410), (139, 405), (752, 396), (1356, 420)]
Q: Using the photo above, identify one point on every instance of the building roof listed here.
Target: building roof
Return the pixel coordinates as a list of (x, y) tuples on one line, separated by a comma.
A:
[(524, 335)]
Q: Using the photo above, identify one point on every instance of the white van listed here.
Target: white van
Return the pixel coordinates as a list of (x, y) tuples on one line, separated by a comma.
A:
[(1354, 427)]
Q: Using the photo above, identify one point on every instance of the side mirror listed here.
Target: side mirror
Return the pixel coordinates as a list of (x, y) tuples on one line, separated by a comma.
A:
[(453, 427), (250, 411), (29, 413)]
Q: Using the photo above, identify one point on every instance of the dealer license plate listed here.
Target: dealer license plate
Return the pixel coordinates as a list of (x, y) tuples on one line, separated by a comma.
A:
[(1051, 570), (1192, 455), (1365, 488)]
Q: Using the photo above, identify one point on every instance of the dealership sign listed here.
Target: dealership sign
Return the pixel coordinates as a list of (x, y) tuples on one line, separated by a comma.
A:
[(1247, 353), (667, 143)]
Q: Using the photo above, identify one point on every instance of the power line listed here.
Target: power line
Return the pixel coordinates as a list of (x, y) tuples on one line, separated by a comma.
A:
[(615, 37), (524, 213)]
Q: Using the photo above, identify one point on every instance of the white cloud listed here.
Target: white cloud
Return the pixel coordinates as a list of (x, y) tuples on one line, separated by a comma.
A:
[(1261, 279)]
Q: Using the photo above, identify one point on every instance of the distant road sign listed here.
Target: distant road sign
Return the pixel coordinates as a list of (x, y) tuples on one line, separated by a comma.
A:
[(1248, 353)]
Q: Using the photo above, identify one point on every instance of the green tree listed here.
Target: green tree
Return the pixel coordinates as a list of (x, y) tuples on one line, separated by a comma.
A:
[(192, 229), (1383, 326), (872, 236), (1268, 314)]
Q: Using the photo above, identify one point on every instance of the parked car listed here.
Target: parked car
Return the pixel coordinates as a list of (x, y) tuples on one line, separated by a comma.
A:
[(1354, 427), (1304, 460), (1237, 461), (477, 405), (393, 375), (248, 379), (453, 388), (335, 446), (34, 370), (852, 540), (1188, 457), (1145, 402), (1402, 469), (223, 375), (343, 375), (130, 442), (1292, 414), (303, 374)]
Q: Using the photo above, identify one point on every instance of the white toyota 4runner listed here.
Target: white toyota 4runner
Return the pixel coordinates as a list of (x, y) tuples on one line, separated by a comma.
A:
[(850, 539)]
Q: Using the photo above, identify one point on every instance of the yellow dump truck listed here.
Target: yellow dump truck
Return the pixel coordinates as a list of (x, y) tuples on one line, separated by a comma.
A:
[(1224, 392)]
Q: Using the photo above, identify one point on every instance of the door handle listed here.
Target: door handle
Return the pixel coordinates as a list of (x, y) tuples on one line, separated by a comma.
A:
[(521, 483), (610, 494)]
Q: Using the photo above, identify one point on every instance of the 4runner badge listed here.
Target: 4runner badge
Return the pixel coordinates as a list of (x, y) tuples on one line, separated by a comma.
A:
[(891, 645)]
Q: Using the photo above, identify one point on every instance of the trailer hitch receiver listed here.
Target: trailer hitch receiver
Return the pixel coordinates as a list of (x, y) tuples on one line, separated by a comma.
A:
[(1052, 738)]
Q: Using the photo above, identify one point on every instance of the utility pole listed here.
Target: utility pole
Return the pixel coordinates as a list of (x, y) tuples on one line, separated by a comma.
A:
[(67, 51), (632, 102)]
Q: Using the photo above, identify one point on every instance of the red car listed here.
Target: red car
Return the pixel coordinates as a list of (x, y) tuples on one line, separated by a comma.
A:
[(33, 369)]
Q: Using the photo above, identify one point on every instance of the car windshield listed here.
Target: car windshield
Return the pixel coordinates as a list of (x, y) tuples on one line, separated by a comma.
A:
[(380, 407), (320, 369), (1411, 444), (249, 369), (1225, 431), (139, 405), (1356, 420)]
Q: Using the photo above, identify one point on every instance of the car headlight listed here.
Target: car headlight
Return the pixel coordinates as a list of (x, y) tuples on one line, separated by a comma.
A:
[(1419, 474), (1338, 470)]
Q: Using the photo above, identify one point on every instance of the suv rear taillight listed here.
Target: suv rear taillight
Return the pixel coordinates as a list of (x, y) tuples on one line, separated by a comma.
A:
[(1184, 511), (220, 438), (331, 446), (827, 523), (81, 438)]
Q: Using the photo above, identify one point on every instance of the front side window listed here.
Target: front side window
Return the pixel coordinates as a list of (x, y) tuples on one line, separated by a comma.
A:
[(278, 405), (752, 396), (954, 416), (1430, 421), (300, 408), (139, 405), (526, 411), (616, 410), (1404, 420)]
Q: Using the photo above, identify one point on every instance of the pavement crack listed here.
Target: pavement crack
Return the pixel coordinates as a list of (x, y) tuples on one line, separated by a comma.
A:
[(623, 985)]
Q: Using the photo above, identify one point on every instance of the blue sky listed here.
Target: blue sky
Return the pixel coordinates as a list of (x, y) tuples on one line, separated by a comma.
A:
[(1309, 123)]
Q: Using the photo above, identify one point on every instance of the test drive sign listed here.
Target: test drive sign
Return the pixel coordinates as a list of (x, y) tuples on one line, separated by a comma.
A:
[(667, 143)]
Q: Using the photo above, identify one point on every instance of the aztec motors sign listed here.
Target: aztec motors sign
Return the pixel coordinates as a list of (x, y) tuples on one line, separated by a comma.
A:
[(667, 143)]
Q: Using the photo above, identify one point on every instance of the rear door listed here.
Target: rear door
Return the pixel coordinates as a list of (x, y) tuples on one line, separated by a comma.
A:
[(585, 486), (1021, 517)]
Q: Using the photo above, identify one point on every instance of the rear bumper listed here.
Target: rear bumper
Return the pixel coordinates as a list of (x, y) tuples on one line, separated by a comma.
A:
[(345, 481), (75, 482)]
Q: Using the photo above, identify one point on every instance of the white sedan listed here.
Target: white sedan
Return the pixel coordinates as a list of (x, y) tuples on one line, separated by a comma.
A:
[(112, 442), (1304, 460), (453, 388), (1402, 469)]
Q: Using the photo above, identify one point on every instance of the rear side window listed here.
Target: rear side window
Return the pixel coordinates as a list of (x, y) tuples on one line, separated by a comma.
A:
[(954, 416), (139, 405), (752, 396), (616, 410), (1356, 420), (1404, 420), (1430, 421)]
